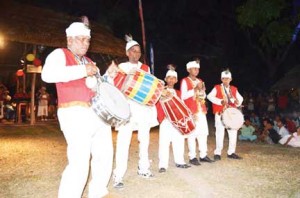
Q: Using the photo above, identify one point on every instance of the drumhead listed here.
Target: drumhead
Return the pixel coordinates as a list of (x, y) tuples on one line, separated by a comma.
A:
[(232, 118), (115, 101)]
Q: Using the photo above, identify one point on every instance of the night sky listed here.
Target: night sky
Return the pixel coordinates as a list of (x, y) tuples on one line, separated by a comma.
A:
[(183, 30)]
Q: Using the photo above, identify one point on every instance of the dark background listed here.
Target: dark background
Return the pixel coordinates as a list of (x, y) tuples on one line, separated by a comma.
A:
[(183, 30)]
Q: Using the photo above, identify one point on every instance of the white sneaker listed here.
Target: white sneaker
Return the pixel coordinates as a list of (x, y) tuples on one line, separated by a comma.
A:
[(146, 174), (118, 183)]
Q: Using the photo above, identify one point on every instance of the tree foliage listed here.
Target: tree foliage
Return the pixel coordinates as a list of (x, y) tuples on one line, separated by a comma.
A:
[(267, 20), (268, 25)]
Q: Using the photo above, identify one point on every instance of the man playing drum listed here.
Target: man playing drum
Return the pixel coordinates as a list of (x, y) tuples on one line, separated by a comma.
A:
[(193, 94), (143, 117), (167, 132), (223, 96), (89, 138)]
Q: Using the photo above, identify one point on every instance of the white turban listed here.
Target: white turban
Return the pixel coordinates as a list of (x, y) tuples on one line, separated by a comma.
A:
[(171, 73), (130, 44), (226, 74), (78, 29), (192, 64)]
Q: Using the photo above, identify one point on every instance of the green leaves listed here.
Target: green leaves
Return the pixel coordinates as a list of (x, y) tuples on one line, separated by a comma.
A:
[(269, 21), (276, 34), (259, 12)]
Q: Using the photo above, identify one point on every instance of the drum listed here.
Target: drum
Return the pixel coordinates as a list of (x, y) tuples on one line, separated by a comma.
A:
[(143, 87), (232, 118), (178, 114), (111, 105)]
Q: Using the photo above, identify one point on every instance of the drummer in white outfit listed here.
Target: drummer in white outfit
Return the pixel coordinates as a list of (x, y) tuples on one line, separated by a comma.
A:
[(193, 94), (167, 132), (89, 138), (222, 96), (142, 119)]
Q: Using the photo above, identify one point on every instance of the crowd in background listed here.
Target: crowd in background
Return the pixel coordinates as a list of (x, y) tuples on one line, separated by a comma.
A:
[(263, 111), (45, 104), (272, 118)]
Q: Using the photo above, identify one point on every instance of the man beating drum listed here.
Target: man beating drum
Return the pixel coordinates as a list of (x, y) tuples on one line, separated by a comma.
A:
[(85, 133), (143, 117), (223, 96)]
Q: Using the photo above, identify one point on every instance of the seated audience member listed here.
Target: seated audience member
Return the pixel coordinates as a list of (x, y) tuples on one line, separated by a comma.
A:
[(290, 125), (247, 131), (276, 120), (282, 130), (296, 118), (269, 134), (254, 119), (291, 140)]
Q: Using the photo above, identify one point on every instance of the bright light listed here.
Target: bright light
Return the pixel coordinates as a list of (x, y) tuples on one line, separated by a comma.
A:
[(1, 41)]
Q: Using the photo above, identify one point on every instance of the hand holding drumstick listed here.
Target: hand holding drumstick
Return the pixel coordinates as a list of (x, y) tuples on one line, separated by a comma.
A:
[(91, 68)]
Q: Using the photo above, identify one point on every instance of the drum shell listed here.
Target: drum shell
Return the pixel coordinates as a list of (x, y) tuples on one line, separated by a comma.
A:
[(178, 114), (119, 79), (109, 115), (142, 87)]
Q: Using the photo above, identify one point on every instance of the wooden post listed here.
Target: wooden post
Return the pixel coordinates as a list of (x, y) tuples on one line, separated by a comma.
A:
[(32, 105), (24, 82)]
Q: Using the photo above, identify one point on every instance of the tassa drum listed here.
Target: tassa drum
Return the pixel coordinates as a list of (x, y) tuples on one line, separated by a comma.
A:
[(178, 114), (111, 105), (232, 118)]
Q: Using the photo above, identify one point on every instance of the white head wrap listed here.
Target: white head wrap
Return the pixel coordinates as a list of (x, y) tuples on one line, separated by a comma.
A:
[(192, 64), (226, 74), (171, 73), (130, 42), (78, 29)]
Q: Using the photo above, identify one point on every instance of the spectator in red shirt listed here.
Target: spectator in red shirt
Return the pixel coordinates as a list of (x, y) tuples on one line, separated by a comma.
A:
[(282, 101), (290, 125)]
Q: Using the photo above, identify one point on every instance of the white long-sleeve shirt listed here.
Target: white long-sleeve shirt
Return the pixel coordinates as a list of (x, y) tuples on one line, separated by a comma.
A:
[(212, 96), (185, 93), (55, 69), (283, 131)]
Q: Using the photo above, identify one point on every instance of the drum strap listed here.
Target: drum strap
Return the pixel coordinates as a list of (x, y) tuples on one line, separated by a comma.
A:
[(83, 61), (228, 95)]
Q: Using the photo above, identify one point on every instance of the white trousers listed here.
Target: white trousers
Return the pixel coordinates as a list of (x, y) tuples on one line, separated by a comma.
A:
[(122, 149), (89, 144), (169, 134), (200, 134), (220, 132)]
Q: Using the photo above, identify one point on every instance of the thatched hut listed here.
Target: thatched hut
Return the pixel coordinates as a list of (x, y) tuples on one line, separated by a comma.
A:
[(25, 29), (25, 26)]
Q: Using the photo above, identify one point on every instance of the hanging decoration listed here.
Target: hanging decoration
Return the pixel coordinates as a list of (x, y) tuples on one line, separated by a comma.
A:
[(37, 62), (30, 57), (20, 73)]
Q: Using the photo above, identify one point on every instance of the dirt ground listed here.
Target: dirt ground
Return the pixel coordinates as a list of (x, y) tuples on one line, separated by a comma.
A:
[(32, 159)]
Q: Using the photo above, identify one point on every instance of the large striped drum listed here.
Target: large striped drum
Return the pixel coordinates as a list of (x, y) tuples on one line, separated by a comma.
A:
[(142, 87), (178, 114)]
